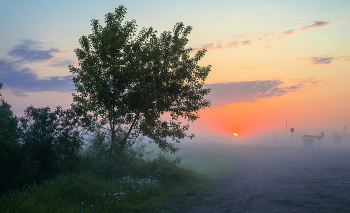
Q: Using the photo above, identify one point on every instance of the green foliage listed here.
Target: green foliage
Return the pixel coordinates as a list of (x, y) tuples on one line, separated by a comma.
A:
[(128, 182), (127, 192), (8, 123), (52, 139), (128, 81), (42, 144), (135, 160), (131, 80), (16, 168)]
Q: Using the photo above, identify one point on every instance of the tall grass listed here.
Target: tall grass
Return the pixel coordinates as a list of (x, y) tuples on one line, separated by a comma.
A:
[(126, 183), (136, 180), (86, 193)]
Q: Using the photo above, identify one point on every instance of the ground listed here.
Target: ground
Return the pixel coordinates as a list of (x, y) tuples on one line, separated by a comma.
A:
[(277, 179)]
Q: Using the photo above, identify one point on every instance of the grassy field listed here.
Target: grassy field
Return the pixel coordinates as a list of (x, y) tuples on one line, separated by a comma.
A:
[(167, 187)]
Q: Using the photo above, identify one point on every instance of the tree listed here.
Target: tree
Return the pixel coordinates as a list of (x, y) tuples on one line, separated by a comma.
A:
[(8, 122), (129, 81), (16, 167), (53, 139)]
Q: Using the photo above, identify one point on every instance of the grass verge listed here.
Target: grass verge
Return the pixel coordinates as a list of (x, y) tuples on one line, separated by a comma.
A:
[(88, 192)]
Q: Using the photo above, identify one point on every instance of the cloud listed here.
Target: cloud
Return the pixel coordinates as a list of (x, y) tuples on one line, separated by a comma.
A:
[(316, 24), (223, 94), (31, 51), (267, 47), (22, 80), (320, 60), (60, 63), (232, 44), (253, 36), (310, 81), (268, 34), (341, 23), (288, 32), (343, 58), (246, 42), (325, 60), (221, 45), (217, 45)]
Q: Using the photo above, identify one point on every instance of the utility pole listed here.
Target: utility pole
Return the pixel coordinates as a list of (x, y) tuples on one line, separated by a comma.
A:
[(291, 136)]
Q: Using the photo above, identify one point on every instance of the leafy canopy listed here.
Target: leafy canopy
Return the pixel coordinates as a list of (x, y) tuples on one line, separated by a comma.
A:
[(130, 80)]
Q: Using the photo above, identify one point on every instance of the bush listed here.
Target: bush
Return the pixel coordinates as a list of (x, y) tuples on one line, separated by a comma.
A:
[(133, 160), (52, 139), (43, 144), (16, 166)]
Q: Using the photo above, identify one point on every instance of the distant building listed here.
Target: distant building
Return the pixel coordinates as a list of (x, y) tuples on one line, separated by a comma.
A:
[(309, 140)]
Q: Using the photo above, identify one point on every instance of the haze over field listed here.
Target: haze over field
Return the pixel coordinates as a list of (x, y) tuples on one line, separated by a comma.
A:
[(272, 61)]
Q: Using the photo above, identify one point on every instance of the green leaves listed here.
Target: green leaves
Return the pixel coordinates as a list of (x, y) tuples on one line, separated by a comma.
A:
[(129, 80), (40, 144), (53, 139)]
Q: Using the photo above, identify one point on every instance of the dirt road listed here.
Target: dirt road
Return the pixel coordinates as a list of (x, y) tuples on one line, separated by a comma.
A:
[(283, 179)]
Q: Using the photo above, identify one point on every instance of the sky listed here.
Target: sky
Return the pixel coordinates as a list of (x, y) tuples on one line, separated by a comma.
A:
[(272, 61)]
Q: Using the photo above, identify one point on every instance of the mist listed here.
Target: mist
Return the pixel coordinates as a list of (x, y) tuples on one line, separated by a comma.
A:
[(270, 173)]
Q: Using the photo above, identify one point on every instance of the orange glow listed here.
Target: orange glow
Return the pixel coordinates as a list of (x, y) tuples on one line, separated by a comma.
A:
[(265, 115)]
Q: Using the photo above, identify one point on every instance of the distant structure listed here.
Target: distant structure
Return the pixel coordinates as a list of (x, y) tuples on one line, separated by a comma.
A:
[(291, 136), (286, 128), (309, 140), (337, 137)]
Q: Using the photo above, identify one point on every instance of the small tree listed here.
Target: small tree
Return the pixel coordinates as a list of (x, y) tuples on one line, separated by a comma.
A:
[(130, 81), (53, 139), (8, 122), (16, 167)]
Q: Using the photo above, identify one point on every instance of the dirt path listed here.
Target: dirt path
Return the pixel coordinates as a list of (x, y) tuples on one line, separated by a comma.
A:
[(283, 179)]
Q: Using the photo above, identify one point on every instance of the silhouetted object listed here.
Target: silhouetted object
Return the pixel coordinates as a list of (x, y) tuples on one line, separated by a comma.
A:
[(309, 140), (291, 136), (337, 137), (128, 81)]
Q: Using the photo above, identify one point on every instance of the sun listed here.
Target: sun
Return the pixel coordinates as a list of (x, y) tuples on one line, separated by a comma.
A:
[(235, 134)]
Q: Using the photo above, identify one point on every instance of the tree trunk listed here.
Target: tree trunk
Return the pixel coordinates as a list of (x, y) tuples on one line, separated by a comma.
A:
[(112, 126), (112, 140), (127, 135)]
